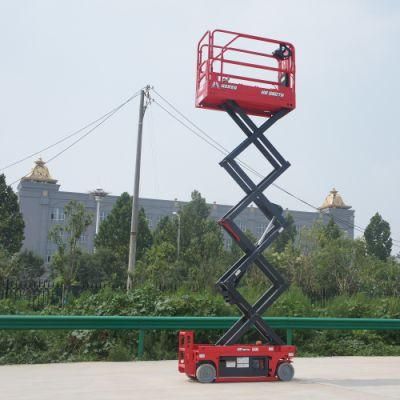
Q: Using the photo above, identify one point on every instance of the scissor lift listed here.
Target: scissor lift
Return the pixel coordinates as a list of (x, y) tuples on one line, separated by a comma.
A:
[(245, 75)]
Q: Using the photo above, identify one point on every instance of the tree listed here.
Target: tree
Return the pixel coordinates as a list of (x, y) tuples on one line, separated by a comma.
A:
[(288, 235), (201, 257), (11, 221), (115, 230), (5, 264), (377, 238), (66, 260), (102, 267), (202, 247), (26, 266), (331, 230), (322, 264), (144, 237), (159, 268), (166, 231)]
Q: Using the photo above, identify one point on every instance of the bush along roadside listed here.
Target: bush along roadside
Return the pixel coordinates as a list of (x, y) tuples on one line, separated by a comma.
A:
[(87, 345)]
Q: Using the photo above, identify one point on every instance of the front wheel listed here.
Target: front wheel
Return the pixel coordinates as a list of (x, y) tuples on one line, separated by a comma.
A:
[(285, 372), (206, 373)]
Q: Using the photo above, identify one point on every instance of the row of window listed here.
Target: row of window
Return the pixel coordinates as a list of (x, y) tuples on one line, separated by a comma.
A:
[(57, 214), (83, 239), (152, 221)]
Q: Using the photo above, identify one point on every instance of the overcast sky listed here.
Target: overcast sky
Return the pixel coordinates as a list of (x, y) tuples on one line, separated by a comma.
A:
[(65, 63)]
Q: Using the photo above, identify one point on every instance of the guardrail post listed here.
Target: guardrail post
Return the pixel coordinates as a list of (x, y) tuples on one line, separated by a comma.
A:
[(141, 343), (289, 336)]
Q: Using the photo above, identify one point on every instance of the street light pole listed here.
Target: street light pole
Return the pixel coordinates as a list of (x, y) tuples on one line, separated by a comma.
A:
[(98, 195), (135, 199), (178, 240)]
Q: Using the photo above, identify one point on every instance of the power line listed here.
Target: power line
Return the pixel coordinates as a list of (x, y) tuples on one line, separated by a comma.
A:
[(189, 128), (102, 120), (224, 149), (94, 128), (70, 135), (221, 149)]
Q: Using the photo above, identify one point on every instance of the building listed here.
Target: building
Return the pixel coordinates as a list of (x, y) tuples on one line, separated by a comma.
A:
[(42, 205)]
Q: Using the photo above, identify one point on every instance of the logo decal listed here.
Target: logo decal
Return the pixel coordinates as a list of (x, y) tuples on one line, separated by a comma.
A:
[(271, 93), (216, 85)]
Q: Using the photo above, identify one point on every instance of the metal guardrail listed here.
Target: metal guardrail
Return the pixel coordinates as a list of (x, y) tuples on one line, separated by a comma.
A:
[(18, 322)]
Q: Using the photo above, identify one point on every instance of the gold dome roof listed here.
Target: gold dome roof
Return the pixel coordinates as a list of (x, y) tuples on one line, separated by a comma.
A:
[(39, 173), (334, 200)]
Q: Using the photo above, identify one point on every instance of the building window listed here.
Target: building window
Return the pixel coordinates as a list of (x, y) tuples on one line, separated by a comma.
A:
[(149, 223), (260, 228), (103, 216), (228, 242), (242, 226), (57, 214), (83, 238), (48, 258)]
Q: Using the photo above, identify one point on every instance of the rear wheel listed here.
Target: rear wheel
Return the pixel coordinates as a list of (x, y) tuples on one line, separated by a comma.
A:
[(206, 373), (285, 372)]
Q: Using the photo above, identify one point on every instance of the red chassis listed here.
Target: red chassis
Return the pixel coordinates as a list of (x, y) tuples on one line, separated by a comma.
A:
[(234, 363)]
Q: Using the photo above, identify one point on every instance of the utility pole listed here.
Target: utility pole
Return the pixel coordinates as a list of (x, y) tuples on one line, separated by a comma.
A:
[(144, 93)]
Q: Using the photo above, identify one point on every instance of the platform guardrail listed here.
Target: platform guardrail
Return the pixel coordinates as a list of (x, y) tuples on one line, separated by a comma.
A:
[(140, 323)]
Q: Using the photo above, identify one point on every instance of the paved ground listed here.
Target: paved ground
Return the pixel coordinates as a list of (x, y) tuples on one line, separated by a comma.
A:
[(350, 378)]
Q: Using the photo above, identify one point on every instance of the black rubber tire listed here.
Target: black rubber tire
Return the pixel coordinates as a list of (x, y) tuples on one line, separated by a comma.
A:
[(285, 372), (206, 373)]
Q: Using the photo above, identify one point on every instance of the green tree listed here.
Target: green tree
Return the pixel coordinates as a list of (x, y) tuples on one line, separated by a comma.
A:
[(11, 221), (115, 230), (287, 236), (201, 252), (144, 236), (26, 266), (5, 264), (331, 230), (166, 231), (377, 238), (335, 270), (159, 268), (323, 264), (102, 267), (66, 261), (202, 245)]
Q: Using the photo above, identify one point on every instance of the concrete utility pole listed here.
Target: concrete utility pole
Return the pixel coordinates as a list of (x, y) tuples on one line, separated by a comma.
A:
[(135, 200)]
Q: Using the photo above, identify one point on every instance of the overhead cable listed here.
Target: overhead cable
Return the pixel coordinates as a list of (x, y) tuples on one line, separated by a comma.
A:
[(200, 133)]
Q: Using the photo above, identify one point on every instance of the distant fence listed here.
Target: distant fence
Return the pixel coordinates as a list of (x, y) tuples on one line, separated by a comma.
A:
[(176, 323), (43, 292)]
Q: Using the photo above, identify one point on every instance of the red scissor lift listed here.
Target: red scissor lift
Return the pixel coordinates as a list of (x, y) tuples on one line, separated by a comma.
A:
[(245, 75)]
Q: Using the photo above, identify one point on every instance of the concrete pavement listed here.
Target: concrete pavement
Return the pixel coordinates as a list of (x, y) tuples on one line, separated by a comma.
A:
[(361, 378)]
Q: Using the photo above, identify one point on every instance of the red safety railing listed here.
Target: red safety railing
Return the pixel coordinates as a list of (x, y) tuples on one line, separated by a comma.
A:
[(256, 72)]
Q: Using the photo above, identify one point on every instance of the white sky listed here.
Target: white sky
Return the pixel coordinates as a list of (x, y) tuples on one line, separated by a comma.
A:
[(64, 63)]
